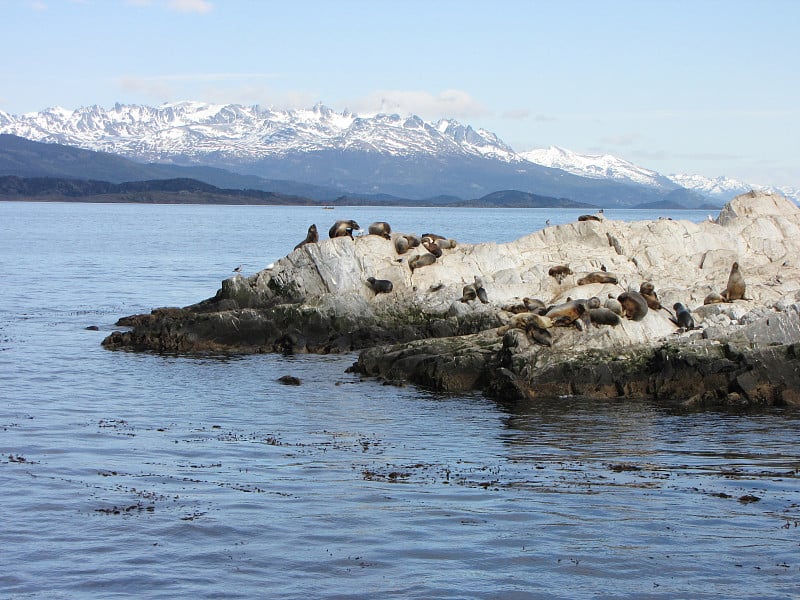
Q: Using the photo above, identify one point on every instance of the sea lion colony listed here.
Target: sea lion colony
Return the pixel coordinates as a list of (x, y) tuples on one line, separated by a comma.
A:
[(532, 315)]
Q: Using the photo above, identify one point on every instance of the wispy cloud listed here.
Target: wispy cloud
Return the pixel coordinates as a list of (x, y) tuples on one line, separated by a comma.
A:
[(185, 6), (449, 103), (516, 114), (624, 139), (38, 6)]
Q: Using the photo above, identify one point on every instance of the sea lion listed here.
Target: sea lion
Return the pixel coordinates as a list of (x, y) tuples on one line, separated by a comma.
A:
[(736, 286), (431, 247), (413, 240), (559, 272), (594, 302), (713, 298), (567, 313), (312, 236), (380, 286), (541, 336), (683, 318), (597, 277), (343, 228), (401, 244), (433, 236), (525, 321), (613, 304), (588, 218), (468, 293), (534, 304), (421, 260), (480, 290), (648, 292), (446, 244), (634, 306), (603, 316), (380, 228)]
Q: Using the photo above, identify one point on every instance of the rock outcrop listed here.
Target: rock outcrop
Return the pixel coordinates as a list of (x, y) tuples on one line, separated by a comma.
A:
[(426, 331)]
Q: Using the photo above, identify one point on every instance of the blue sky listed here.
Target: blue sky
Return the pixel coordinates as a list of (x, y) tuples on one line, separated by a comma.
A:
[(707, 87)]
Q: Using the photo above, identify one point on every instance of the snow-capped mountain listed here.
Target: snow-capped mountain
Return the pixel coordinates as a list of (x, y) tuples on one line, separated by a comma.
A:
[(191, 131), (599, 166), (393, 154), (607, 166)]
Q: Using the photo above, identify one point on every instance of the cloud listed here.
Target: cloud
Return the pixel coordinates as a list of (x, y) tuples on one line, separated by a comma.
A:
[(38, 6), (185, 6), (198, 6), (516, 114), (449, 103), (624, 139)]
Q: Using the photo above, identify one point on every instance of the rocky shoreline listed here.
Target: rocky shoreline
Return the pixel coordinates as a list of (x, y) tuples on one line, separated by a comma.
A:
[(430, 330)]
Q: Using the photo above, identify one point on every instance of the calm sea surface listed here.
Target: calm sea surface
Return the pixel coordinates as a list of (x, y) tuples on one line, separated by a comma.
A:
[(141, 476)]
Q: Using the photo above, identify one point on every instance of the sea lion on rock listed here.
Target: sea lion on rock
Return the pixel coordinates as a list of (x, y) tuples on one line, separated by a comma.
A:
[(736, 286), (480, 290), (613, 305), (597, 277), (648, 292), (559, 272), (594, 302), (446, 244), (380, 286), (713, 298), (524, 321), (421, 260), (380, 228), (588, 218), (567, 313), (401, 244), (683, 318), (413, 240), (343, 228), (312, 237), (431, 247), (634, 306), (534, 304), (541, 336), (433, 236), (603, 316), (468, 293)]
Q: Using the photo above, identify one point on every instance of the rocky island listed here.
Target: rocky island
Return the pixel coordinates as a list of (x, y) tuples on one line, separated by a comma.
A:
[(595, 308)]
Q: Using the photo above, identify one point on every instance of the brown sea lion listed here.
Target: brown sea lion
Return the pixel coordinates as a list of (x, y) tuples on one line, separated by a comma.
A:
[(468, 293), (431, 247), (588, 218), (525, 321), (713, 298), (597, 277), (683, 318), (736, 286), (603, 316), (446, 244), (343, 228), (413, 240), (401, 244), (594, 302), (312, 237), (421, 260), (541, 336), (613, 305), (380, 286), (567, 313), (648, 292), (634, 306), (433, 236), (559, 272), (480, 290), (534, 304), (380, 228)]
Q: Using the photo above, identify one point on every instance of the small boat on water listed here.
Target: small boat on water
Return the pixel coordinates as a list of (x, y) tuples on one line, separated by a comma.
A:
[(327, 207)]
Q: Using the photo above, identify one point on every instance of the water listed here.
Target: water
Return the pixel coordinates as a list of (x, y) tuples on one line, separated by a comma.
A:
[(136, 475)]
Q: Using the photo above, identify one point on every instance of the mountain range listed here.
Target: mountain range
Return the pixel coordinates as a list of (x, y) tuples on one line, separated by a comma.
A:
[(319, 153)]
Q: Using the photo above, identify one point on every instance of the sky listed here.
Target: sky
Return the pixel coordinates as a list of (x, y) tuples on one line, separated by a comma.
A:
[(703, 86)]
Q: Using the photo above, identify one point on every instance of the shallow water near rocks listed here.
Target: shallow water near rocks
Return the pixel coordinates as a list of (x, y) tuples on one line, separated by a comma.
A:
[(154, 476)]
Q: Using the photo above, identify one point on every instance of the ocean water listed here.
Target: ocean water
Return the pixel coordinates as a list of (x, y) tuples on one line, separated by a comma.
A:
[(139, 475)]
